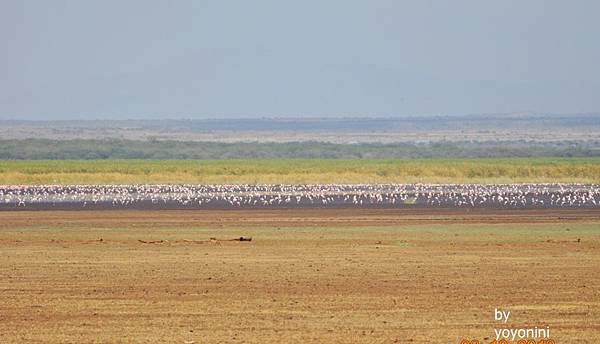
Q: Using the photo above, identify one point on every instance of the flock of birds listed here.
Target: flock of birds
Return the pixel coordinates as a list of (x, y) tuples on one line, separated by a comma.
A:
[(329, 195)]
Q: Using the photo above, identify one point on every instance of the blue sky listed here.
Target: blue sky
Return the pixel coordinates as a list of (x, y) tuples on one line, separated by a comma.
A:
[(216, 59)]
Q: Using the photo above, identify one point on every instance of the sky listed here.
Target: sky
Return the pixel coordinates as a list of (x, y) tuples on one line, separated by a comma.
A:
[(104, 59)]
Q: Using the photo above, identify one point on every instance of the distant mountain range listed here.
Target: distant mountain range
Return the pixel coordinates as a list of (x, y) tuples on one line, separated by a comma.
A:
[(493, 127)]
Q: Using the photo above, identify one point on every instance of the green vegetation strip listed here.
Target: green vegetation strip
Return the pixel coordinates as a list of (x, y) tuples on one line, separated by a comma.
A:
[(36, 149), (514, 170)]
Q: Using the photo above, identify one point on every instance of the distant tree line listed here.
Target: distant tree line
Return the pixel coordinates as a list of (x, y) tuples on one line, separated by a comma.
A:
[(38, 149)]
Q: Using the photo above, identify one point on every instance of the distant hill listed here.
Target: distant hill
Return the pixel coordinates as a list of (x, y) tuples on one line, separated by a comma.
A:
[(494, 127)]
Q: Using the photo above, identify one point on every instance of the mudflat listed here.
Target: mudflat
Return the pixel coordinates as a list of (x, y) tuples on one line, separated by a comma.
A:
[(307, 276)]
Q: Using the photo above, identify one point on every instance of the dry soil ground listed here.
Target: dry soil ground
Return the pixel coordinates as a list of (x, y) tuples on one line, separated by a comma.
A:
[(308, 276)]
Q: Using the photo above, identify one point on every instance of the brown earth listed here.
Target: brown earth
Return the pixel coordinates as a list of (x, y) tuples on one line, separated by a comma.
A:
[(307, 276)]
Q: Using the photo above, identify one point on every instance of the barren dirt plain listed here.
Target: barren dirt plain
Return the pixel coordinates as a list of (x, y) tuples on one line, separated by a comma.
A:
[(307, 276)]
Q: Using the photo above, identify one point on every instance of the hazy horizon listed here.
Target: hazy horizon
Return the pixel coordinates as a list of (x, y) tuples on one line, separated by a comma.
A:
[(65, 60)]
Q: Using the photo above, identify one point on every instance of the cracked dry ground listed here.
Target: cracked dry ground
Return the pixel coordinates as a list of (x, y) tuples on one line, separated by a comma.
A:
[(307, 276)]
